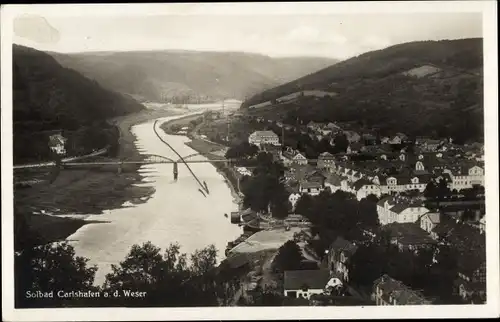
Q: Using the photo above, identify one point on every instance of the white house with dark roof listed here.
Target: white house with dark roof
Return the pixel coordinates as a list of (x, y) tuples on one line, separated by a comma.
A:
[(465, 176), (293, 157), (339, 254), (57, 143), (399, 210), (326, 160), (312, 188), (304, 283), (364, 188), (263, 137), (429, 221)]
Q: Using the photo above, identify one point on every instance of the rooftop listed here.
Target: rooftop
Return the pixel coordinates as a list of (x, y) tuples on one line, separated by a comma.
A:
[(345, 245), (408, 234), (399, 291), (264, 133)]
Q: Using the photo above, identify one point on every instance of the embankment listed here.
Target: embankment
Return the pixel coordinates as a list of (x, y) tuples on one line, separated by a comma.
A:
[(205, 148)]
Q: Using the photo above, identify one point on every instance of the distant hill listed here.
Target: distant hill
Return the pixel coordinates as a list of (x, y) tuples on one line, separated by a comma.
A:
[(420, 88), (170, 75), (47, 96)]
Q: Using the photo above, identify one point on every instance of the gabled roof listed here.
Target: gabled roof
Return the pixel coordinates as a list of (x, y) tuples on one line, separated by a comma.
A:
[(343, 245), (314, 279), (326, 155), (56, 139), (310, 184), (264, 133), (382, 201), (361, 182), (333, 179), (399, 291), (408, 233), (434, 217)]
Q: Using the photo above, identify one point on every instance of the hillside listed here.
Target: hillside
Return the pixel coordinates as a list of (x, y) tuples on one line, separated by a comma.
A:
[(182, 75), (47, 96), (419, 88)]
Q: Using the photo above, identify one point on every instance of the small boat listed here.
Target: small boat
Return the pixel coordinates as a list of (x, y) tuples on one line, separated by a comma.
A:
[(225, 215)]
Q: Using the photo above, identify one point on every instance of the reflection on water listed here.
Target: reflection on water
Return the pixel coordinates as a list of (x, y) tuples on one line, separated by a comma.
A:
[(176, 212)]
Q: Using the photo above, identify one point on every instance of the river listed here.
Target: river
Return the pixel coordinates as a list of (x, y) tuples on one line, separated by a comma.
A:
[(176, 212)]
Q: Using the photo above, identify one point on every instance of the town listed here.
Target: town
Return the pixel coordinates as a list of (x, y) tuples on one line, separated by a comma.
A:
[(372, 220)]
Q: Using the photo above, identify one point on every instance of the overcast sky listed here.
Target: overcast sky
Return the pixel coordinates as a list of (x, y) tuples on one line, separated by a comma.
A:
[(328, 35)]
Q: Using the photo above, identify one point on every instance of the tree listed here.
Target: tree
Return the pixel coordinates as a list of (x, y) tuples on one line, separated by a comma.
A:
[(367, 212), (289, 257), (51, 267), (304, 205), (341, 142), (167, 279), (366, 265)]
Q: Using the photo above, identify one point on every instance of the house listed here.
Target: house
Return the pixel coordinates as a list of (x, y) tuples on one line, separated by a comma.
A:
[(304, 283), (354, 148), (482, 224), (465, 176), (369, 139), (388, 291), (429, 221), (333, 127), (325, 160), (309, 187), (428, 145), (56, 143), (313, 126), (263, 137), (333, 181), (243, 216), (399, 210), (339, 254), (471, 281), (408, 236), (352, 136), (398, 139), (243, 171), (293, 157), (365, 187)]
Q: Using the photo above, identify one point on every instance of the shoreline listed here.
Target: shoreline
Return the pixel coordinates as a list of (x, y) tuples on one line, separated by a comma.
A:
[(77, 194), (203, 148)]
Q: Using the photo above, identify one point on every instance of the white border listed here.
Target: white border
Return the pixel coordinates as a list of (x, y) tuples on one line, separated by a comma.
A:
[(491, 309)]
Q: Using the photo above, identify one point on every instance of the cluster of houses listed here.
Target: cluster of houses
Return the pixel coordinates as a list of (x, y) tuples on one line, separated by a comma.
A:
[(392, 176)]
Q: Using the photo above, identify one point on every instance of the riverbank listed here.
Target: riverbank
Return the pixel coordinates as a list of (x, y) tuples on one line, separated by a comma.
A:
[(206, 148), (80, 192)]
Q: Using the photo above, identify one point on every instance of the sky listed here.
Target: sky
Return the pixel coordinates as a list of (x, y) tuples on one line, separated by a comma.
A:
[(323, 34)]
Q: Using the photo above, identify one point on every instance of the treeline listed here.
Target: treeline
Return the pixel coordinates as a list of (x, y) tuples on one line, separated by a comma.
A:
[(462, 54), (373, 91), (168, 278), (48, 97), (338, 214)]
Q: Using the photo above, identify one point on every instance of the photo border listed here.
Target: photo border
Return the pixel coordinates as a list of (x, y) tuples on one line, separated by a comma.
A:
[(490, 309)]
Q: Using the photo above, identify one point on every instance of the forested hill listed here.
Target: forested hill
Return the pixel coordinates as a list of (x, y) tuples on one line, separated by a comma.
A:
[(424, 88), (47, 96), (185, 76)]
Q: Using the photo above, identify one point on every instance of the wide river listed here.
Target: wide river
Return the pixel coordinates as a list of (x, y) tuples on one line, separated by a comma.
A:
[(176, 212)]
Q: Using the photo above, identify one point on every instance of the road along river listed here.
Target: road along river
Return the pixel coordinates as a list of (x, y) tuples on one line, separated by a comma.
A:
[(176, 212)]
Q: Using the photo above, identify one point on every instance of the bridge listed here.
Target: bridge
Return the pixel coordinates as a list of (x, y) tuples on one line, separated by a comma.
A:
[(141, 160)]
